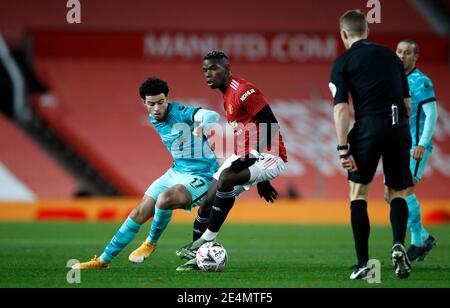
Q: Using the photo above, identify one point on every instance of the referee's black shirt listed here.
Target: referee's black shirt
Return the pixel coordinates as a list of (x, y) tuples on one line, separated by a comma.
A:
[(374, 76)]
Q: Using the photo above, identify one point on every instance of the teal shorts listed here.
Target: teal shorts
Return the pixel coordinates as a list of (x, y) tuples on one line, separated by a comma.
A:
[(197, 186), (418, 167)]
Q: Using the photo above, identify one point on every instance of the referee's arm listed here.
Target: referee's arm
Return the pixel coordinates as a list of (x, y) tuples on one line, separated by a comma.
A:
[(342, 121), (339, 89)]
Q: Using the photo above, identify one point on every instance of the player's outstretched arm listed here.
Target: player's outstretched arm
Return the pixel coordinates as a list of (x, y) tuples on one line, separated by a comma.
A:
[(204, 118)]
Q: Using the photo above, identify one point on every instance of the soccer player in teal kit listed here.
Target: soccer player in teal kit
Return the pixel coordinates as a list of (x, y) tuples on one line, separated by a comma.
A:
[(183, 186), (423, 120)]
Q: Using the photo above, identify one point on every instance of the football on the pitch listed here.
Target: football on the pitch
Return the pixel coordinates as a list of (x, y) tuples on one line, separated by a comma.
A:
[(212, 257)]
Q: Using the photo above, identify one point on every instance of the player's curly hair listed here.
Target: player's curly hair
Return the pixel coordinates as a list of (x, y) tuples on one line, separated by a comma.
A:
[(217, 55), (153, 86)]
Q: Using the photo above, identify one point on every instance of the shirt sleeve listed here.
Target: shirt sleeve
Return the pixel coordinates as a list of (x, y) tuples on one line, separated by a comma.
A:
[(431, 115), (252, 100), (339, 85), (205, 117), (425, 91), (187, 113)]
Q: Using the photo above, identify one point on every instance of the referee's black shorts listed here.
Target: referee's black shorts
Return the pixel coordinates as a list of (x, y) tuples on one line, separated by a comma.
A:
[(373, 137)]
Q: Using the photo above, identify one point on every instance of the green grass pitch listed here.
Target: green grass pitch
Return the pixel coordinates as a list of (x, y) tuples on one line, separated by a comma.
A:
[(260, 256)]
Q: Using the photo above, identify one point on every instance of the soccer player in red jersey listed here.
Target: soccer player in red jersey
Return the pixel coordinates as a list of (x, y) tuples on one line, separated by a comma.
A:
[(259, 153)]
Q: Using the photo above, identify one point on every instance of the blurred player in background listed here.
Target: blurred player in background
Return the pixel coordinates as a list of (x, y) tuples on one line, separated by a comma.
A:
[(260, 154), (422, 123), (183, 186)]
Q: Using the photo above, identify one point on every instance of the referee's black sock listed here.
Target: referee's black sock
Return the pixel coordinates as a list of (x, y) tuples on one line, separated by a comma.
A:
[(200, 223), (223, 202), (399, 219), (361, 230)]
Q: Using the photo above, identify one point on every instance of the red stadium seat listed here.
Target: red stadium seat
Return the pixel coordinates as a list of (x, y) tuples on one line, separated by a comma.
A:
[(41, 176)]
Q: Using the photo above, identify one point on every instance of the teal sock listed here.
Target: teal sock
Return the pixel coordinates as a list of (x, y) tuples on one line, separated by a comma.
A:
[(424, 234), (159, 224), (121, 239), (414, 221)]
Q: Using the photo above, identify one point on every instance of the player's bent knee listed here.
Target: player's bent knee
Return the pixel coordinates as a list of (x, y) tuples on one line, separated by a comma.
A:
[(166, 200), (173, 198), (134, 214), (226, 180), (144, 210), (139, 214)]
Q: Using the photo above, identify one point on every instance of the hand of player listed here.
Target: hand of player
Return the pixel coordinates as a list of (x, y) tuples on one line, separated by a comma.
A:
[(418, 152), (198, 131), (208, 131), (266, 191), (349, 162)]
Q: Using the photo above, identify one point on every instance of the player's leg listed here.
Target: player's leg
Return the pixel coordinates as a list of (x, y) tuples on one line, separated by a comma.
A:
[(222, 181), (229, 185), (399, 217), (202, 218), (421, 241), (176, 197), (182, 191), (233, 183), (364, 140), (265, 168), (398, 179), (360, 227), (222, 204), (126, 233), (199, 227), (173, 198), (224, 200)]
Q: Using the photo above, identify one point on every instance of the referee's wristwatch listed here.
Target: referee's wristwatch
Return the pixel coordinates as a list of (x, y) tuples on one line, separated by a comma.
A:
[(342, 147)]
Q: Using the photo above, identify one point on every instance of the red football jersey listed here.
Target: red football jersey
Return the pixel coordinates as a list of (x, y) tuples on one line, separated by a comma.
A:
[(242, 101)]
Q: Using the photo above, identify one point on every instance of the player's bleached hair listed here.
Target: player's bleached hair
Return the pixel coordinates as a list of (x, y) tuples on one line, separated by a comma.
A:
[(354, 22), (416, 47), (153, 86), (217, 55)]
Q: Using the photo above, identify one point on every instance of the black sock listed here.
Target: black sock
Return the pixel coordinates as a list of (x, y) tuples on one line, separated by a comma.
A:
[(361, 230), (399, 219), (223, 202), (200, 224)]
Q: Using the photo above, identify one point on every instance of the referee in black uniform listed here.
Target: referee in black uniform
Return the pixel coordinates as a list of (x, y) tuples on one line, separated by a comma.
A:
[(375, 78)]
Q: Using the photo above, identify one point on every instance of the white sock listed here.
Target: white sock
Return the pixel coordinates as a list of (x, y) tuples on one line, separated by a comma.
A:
[(209, 235)]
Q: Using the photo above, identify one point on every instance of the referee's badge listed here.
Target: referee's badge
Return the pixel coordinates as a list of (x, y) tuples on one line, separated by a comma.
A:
[(333, 89)]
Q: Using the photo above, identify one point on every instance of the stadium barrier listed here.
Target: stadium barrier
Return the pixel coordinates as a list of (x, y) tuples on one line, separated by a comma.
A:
[(310, 47), (283, 212)]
